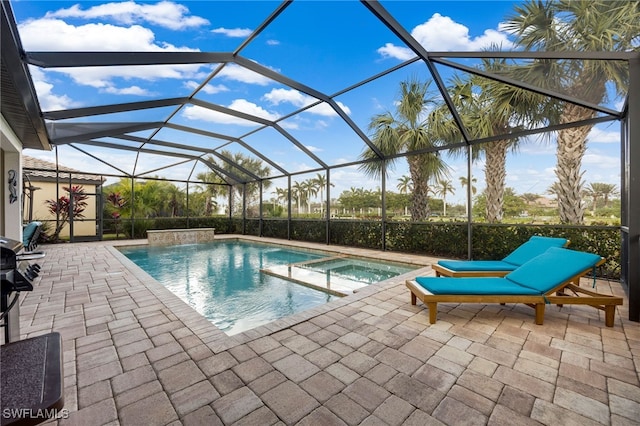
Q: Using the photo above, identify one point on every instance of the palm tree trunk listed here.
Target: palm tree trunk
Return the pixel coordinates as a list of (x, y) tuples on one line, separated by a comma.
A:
[(495, 175), (572, 144), (420, 200)]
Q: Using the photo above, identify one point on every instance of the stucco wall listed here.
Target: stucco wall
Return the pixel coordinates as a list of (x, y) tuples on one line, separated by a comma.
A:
[(47, 191)]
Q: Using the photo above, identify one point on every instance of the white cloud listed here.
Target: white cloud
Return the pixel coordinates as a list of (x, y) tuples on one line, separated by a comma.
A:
[(300, 100), (104, 37), (441, 33), (597, 135), (132, 90), (194, 112), (243, 75), (209, 88), (313, 148), (233, 32), (595, 160), (62, 36), (272, 42), (165, 14), (294, 97), (49, 101), (389, 50), (245, 106)]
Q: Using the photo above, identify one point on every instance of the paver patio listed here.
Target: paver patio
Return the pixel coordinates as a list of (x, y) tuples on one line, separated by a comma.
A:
[(135, 354)]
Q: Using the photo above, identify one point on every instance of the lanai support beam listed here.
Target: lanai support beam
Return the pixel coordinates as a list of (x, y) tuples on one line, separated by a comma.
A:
[(632, 160)]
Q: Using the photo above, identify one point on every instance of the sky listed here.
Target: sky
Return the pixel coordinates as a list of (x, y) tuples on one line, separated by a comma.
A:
[(325, 45)]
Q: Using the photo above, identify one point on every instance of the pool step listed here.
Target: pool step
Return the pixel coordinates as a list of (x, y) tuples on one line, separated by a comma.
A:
[(322, 281)]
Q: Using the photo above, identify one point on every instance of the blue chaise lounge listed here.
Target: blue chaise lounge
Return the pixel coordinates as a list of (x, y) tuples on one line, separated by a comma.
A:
[(545, 279), (535, 246)]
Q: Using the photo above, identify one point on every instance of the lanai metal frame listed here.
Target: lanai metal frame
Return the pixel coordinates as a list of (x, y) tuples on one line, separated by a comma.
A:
[(47, 128)]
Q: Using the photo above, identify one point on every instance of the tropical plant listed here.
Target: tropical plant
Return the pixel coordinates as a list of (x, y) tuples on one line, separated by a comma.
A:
[(442, 188), (596, 190), (590, 26), (321, 183), (210, 188), (464, 182), (514, 205), (405, 186), (529, 197), (297, 193), (116, 202), (407, 131), (238, 166), (488, 109), (67, 207), (310, 189)]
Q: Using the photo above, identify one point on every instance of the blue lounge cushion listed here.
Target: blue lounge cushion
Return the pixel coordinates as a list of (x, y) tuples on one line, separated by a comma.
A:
[(535, 246), (474, 285), (552, 268), (28, 231), (477, 265)]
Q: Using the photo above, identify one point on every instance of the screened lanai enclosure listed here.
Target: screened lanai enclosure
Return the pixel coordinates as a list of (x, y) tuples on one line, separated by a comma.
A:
[(257, 128)]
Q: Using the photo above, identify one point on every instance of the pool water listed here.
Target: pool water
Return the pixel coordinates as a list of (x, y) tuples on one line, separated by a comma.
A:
[(359, 270), (224, 283)]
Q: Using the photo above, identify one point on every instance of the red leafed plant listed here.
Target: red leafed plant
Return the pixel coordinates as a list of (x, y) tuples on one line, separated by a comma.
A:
[(71, 205), (118, 202)]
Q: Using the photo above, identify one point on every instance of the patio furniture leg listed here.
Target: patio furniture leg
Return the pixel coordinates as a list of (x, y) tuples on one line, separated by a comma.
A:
[(539, 313), (609, 315), (414, 299), (433, 312)]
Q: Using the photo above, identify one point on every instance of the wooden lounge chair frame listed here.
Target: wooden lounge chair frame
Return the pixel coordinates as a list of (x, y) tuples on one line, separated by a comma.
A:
[(558, 296)]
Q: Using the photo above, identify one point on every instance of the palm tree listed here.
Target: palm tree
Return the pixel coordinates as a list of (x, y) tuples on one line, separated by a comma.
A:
[(309, 188), (297, 192), (211, 191), (443, 188), (321, 183), (608, 190), (529, 198), (282, 194), (252, 165), (489, 108), (596, 190), (405, 186), (596, 25), (465, 182), (407, 131)]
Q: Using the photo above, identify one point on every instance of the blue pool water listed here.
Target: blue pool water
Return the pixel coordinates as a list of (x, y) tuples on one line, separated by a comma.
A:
[(223, 282)]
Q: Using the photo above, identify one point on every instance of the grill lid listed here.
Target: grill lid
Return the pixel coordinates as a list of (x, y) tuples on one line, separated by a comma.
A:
[(8, 250)]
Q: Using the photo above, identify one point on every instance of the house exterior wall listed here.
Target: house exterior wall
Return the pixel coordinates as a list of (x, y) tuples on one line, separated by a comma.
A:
[(10, 148)]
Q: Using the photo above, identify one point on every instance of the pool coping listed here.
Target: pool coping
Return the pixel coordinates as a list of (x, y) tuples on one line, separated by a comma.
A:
[(216, 339)]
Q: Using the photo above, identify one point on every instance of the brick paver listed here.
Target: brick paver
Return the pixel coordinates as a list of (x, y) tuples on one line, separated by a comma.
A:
[(136, 354)]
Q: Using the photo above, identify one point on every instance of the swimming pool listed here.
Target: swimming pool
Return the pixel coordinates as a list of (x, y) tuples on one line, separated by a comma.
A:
[(225, 281)]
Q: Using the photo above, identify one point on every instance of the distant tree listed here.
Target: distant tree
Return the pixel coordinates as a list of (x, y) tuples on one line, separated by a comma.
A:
[(405, 186), (298, 194), (67, 206), (407, 130), (464, 182), (513, 204), (596, 190), (321, 184), (442, 188), (529, 197), (309, 188)]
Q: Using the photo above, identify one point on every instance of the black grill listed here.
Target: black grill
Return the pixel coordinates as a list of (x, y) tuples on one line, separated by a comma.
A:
[(17, 274)]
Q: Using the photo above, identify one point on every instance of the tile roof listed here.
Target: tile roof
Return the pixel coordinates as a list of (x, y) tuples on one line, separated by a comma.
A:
[(45, 170)]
